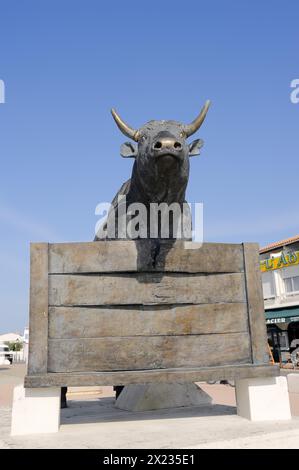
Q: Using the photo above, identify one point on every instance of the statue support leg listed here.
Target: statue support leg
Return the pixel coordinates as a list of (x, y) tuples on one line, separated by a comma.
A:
[(156, 396), (35, 410), (263, 399)]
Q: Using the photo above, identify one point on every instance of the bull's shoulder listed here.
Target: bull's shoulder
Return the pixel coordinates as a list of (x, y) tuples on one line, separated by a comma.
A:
[(124, 189)]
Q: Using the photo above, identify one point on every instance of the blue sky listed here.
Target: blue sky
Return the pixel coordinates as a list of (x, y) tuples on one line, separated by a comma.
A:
[(66, 63)]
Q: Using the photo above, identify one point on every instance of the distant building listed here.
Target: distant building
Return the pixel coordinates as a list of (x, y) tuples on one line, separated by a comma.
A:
[(11, 337), (16, 356), (279, 263), (26, 343)]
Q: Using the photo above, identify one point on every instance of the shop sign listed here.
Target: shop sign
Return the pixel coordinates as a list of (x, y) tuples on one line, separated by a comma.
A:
[(282, 261), (271, 321), (275, 320)]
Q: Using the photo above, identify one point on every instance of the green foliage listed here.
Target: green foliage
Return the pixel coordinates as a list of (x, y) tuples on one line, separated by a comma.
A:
[(14, 345)]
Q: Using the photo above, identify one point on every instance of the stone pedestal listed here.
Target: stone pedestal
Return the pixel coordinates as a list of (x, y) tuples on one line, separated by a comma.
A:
[(156, 396), (4, 362), (293, 383), (35, 410), (263, 399)]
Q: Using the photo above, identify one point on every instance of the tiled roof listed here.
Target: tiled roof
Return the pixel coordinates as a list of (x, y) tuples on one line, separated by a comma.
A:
[(272, 246)]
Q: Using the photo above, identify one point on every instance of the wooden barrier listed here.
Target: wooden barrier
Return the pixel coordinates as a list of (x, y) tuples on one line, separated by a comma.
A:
[(121, 312)]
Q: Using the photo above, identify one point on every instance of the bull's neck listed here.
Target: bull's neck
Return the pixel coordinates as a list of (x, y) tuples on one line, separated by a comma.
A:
[(146, 194)]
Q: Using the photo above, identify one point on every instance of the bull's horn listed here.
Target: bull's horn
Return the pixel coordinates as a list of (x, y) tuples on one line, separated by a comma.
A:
[(195, 125), (124, 128)]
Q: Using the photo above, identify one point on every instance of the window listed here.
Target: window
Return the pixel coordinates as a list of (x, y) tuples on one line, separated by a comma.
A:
[(291, 284), (283, 340), (268, 285)]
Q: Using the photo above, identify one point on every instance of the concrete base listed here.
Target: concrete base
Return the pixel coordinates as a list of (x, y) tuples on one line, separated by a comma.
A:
[(263, 399), (4, 362), (35, 410), (293, 383), (156, 396)]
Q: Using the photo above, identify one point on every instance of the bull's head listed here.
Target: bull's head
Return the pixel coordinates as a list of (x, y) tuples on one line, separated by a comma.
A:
[(162, 154)]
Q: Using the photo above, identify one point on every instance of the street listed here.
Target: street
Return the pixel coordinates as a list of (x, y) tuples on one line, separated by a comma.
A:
[(92, 421)]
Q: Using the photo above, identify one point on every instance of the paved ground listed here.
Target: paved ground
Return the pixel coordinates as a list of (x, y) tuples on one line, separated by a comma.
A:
[(91, 421)]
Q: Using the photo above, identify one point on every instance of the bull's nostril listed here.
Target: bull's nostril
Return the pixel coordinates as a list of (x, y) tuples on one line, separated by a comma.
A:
[(158, 145), (177, 145)]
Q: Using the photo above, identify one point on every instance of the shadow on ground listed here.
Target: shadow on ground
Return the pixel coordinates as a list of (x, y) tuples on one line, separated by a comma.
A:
[(103, 410)]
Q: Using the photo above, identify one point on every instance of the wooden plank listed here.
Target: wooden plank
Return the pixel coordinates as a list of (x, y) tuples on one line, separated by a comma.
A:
[(77, 322), (145, 255), (147, 352), (229, 372), (38, 326), (144, 288), (256, 315)]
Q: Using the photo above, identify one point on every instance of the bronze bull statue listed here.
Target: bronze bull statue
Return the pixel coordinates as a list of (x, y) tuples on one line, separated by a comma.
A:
[(160, 172), (161, 168)]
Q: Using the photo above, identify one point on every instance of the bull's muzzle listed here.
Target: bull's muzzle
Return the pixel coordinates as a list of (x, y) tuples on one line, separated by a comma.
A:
[(168, 152), (167, 146)]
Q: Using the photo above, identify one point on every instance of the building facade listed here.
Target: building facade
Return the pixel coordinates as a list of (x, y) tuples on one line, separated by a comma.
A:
[(26, 343), (279, 263)]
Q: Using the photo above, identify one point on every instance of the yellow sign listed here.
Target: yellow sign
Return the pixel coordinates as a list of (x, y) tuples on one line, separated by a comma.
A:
[(282, 261)]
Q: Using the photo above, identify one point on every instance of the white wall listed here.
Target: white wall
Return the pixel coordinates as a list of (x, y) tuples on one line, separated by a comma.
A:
[(274, 288)]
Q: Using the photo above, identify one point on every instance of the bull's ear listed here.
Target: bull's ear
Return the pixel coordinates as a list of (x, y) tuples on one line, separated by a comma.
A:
[(194, 147), (128, 150)]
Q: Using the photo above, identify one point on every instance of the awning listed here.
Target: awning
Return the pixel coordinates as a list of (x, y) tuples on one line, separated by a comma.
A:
[(282, 315)]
